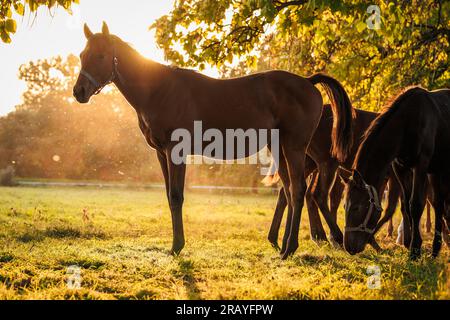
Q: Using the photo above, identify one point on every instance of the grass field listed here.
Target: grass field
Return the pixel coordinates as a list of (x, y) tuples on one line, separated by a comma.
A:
[(121, 244)]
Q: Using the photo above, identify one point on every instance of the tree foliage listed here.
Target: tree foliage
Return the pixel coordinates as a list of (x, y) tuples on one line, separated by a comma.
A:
[(411, 45), (8, 25)]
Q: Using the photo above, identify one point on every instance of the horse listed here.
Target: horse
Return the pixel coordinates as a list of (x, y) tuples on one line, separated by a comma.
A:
[(411, 135), (322, 167), (166, 98)]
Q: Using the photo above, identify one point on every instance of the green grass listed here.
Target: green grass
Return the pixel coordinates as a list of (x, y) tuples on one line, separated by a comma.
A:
[(122, 250)]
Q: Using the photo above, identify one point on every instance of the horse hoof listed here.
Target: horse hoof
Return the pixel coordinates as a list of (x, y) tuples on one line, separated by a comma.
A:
[(275, 246), (288, 252), (284, 255), (274, 243), (336, 243), (175, 251), (414, 255), (319, 238), (320, 242)]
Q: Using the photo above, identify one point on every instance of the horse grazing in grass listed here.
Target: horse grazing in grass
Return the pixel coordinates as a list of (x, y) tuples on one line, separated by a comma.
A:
[(412, 134), (167, 98), (323, 167)]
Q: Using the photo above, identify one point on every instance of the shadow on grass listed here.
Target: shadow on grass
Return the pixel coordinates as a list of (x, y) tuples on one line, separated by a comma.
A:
[(307, 259), (185, 272), (85, 263), (60, 232)]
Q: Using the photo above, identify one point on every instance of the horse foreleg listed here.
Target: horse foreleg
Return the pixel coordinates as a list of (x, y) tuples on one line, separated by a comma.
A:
[(176, 174), (417, 204), (404, 178), (393, 195)]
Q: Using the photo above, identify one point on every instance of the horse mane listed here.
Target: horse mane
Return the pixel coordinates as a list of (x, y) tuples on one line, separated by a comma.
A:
[(385, 115), (130, 48), (126, 45)]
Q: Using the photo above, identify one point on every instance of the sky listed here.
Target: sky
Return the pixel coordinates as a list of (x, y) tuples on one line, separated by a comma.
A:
[(62, 34)]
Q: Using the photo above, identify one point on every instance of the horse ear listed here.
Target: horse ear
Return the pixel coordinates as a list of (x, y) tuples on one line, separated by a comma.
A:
[(87, 32), (105, 29)]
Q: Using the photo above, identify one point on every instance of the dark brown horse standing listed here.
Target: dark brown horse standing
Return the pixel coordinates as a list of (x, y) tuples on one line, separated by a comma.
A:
[(166, 99), (412, 134)]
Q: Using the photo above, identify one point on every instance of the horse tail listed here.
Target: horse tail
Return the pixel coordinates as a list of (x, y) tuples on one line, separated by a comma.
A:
[(343, 114), (272, 176)]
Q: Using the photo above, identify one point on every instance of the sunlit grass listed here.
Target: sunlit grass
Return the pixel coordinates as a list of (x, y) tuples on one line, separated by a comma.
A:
[(120, 239)]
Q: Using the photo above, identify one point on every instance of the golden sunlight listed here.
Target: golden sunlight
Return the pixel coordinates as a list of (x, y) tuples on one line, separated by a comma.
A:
[(66, 34)]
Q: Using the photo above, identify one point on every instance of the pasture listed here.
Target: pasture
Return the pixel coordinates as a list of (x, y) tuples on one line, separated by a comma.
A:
[(120, 239)]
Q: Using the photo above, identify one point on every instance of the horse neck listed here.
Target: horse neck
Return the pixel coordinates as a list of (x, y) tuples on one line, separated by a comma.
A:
[(137, 78), (377, 152)]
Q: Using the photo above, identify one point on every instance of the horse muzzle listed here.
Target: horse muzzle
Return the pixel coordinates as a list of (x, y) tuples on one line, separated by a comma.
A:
[(354, 242), (80, 94)]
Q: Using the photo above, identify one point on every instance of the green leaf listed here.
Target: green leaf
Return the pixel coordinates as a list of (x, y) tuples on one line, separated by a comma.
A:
[(5, 37), (11, 25), (51, 3), (20, 9), (33, 5), (361, 26)]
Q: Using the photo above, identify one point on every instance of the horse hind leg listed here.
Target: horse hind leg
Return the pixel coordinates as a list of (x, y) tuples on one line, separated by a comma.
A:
[(295, 158), (325, 180), (335, 198), (417, 204), (438, 204), (390, 229), (277, 218), (284, 177), (296, 161), (315, 224), (446, 234)]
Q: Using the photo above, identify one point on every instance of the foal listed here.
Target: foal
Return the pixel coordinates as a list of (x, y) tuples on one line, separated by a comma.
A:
[(166, 99), (323, 167), (413, 135)]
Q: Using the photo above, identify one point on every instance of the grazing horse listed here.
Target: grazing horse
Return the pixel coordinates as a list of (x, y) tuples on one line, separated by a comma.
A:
[(321, 164), (167, 98), (412, 135)]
